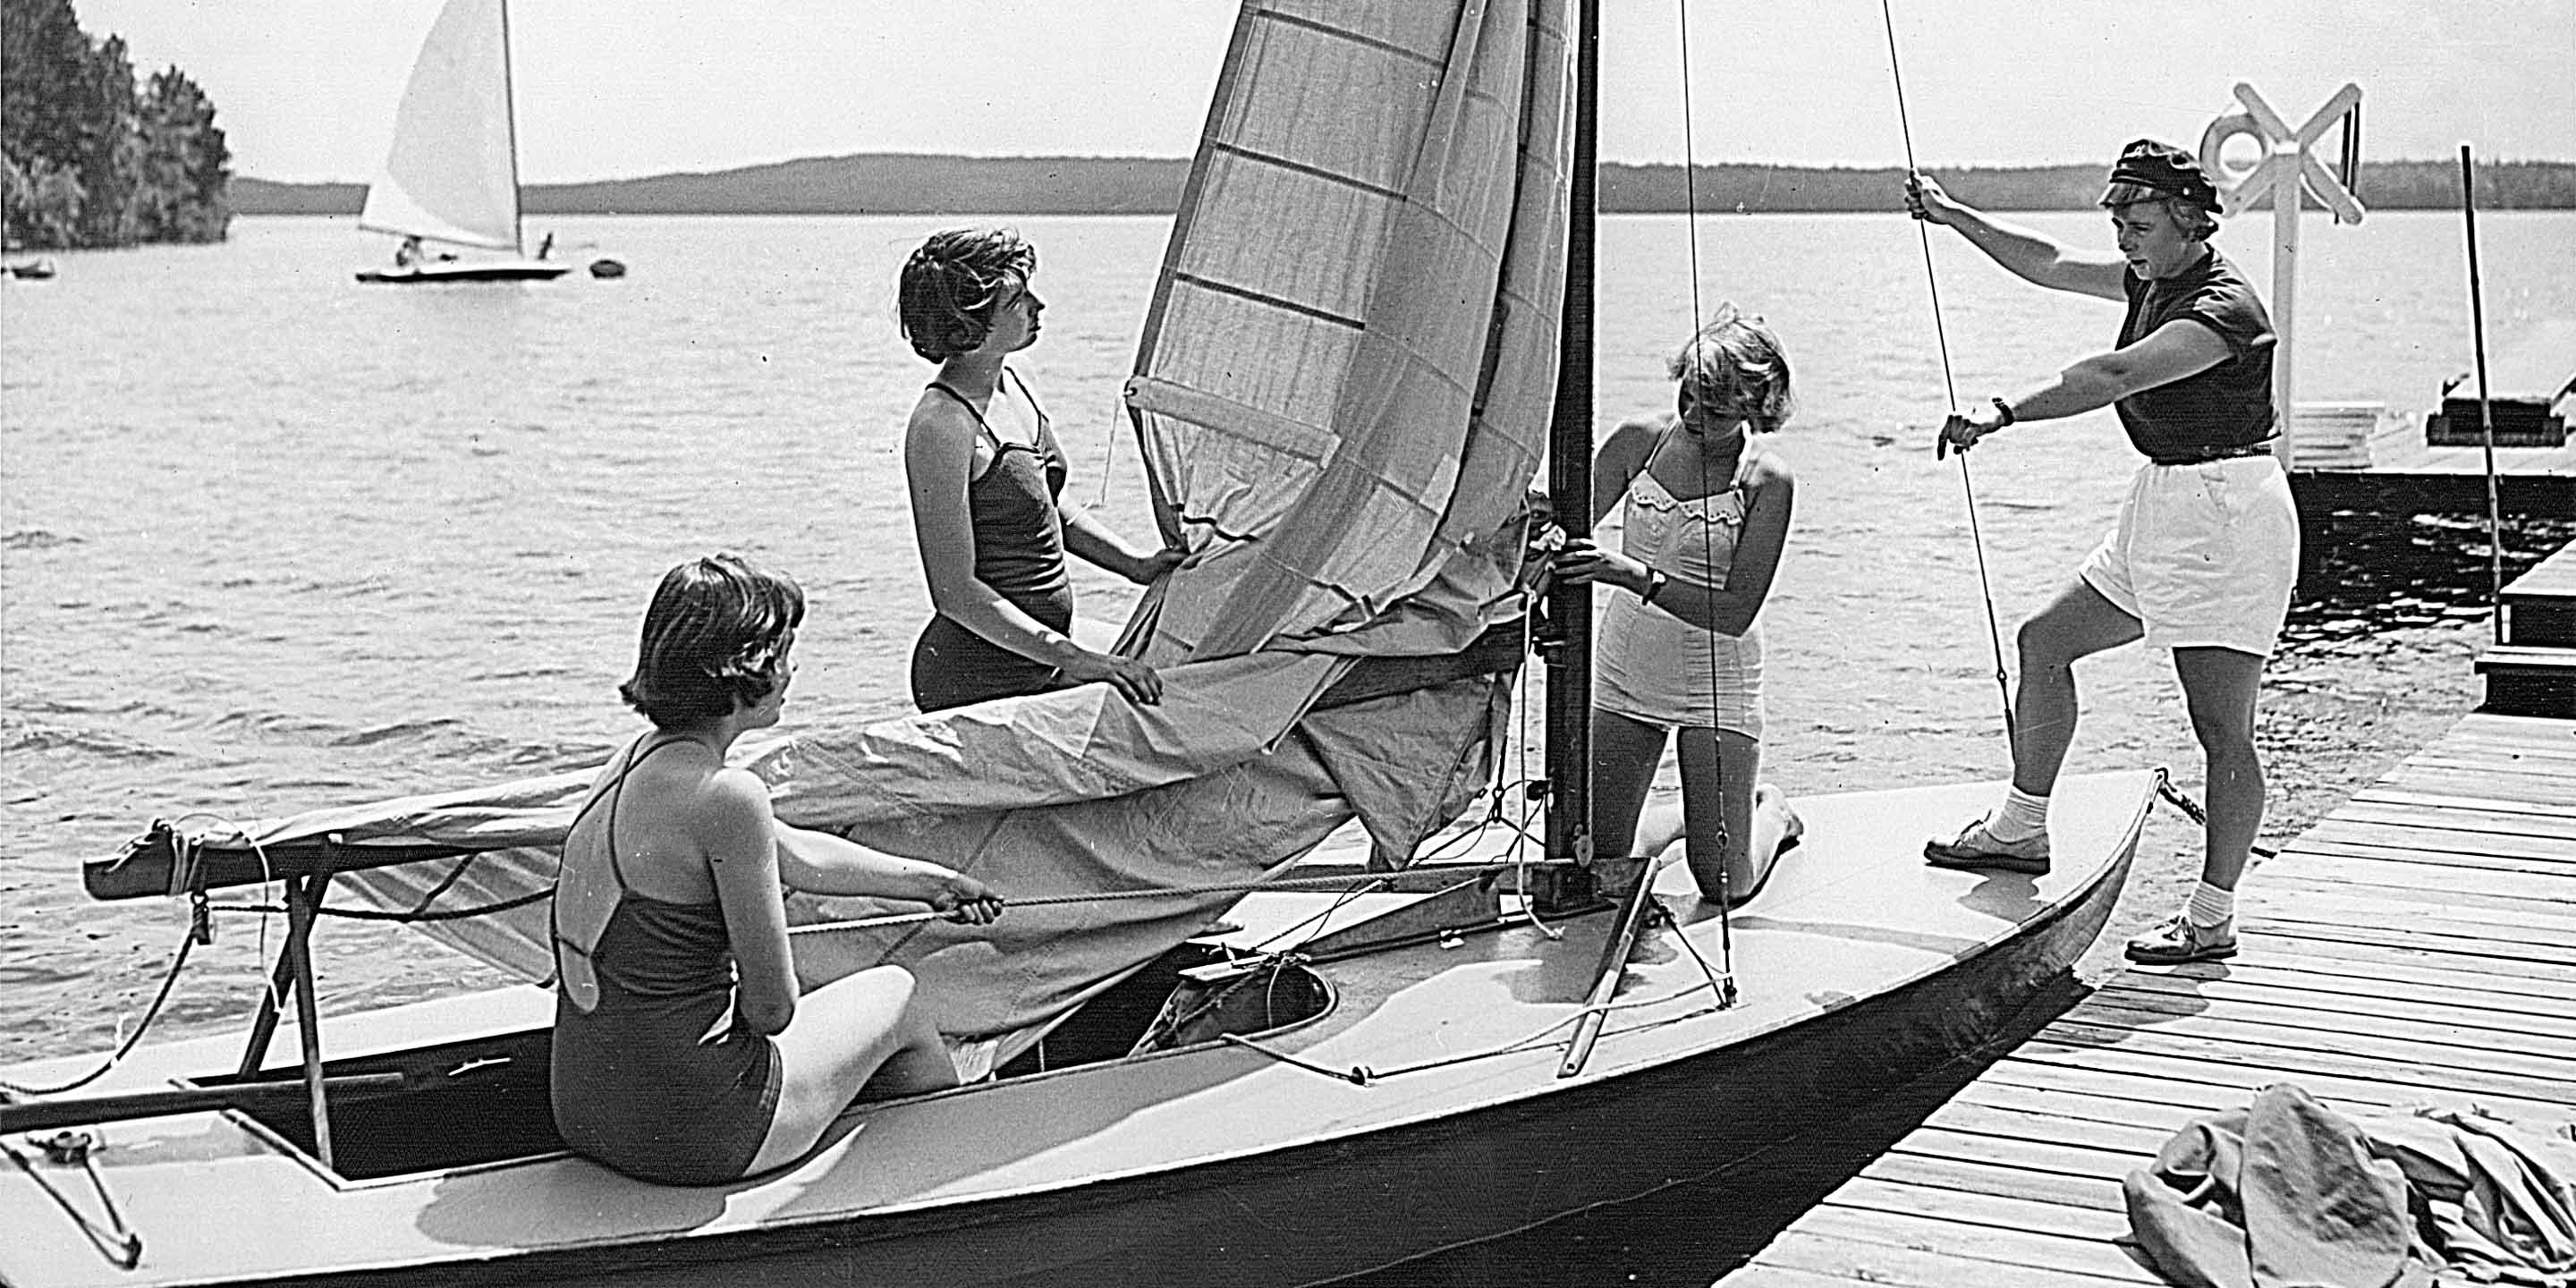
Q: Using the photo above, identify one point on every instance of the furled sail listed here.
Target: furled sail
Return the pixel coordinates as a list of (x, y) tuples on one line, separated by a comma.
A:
[(1348, 365), (452, 173), (1343, 392)]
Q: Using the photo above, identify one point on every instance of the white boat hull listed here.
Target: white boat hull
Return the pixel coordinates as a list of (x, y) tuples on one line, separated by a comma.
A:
[(1860, 967)]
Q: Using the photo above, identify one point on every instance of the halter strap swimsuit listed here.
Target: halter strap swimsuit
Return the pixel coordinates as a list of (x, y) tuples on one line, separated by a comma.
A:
[(1019, 552), (651, 1077)]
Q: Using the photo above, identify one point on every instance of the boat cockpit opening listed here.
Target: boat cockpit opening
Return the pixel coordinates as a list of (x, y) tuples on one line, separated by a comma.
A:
[(490, 1100)]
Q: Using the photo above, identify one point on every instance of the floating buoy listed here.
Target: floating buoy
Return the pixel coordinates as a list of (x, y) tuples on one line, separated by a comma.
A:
[(607, 268)]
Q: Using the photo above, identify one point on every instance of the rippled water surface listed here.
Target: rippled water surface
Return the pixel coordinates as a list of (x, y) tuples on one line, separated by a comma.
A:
[(270, 540)]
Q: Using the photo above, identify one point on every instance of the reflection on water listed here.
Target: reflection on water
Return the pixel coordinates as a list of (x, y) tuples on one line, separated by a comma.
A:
[(2363, 572)]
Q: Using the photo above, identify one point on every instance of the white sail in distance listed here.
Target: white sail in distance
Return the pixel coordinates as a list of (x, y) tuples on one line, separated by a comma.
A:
[(452, 174)]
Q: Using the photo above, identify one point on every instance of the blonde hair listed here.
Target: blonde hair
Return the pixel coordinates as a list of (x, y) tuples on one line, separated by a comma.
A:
[(1736, 361)]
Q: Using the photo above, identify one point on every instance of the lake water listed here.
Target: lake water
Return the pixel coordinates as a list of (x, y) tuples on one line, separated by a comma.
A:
[(270, 540)]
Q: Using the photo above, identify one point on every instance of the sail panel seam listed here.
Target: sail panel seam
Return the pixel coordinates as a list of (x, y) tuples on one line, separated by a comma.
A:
[(1305, 168), (1264, 297), (1349, 36)]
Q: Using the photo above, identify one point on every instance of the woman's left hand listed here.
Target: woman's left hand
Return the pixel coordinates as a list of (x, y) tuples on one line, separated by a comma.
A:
[(962, 898), (1584, 560), (1157, 564)]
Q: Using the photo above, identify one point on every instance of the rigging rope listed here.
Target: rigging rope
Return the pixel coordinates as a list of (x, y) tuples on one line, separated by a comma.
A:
[(1949, 386), (1707, 541)]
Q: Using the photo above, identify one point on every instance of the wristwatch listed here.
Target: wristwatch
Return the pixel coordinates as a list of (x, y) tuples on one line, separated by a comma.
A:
[(2003, 413)]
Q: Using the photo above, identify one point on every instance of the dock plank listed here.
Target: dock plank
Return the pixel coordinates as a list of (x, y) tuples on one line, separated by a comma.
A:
[(2415, 947)]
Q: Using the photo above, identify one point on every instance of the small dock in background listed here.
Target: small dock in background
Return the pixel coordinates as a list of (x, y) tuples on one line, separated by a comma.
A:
[(2531, 669), (2343, 459), (2418, 945), (2407, 475)]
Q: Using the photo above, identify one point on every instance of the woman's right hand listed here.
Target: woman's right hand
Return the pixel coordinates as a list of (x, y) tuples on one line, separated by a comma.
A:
[(1925, 200), (1125, 674), (965, 900)]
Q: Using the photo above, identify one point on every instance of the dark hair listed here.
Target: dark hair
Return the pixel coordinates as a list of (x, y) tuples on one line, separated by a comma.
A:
[(1736, 361), (945, 298), (716, 635)]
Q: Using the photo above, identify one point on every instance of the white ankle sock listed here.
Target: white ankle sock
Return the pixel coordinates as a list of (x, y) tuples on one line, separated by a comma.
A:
[(2210, 905), (2021, 816)]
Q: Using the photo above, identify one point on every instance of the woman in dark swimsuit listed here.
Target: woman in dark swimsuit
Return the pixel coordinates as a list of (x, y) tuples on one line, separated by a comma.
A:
[(986, 478), (682, 1051)]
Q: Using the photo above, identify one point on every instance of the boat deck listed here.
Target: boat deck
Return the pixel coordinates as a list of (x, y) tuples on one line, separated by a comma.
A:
[(2418, 945)]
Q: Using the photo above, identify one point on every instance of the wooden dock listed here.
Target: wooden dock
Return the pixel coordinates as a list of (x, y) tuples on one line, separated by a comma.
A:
[(2418, 945), (2440, 463), (2406, 475), (2531, 669)]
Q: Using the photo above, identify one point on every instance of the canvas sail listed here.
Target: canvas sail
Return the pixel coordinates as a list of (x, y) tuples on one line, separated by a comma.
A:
[(1345, 381), (1343, 390), (452, 174)]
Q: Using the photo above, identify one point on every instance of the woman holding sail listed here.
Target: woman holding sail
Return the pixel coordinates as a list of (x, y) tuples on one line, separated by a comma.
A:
[(1680, 647), (2205, 552), (986, 479), (683, 1052)]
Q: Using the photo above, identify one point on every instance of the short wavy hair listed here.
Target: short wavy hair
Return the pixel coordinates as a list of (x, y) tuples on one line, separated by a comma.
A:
[(945, 297), (715, 637), (2197, 222), (1736, 361)]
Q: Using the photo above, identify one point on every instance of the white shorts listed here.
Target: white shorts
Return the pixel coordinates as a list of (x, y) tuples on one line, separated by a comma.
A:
[(2204, 556)]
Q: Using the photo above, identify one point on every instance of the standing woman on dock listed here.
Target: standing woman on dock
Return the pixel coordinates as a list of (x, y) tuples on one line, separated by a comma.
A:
[(2205, 552), (986, 479)]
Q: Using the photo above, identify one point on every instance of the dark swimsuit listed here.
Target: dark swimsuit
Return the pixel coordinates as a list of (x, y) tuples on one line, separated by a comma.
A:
[(654, 1080), (1019, 552)]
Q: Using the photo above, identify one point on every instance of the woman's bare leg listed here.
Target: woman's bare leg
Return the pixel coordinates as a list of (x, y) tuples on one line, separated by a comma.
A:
[(858, 1033)]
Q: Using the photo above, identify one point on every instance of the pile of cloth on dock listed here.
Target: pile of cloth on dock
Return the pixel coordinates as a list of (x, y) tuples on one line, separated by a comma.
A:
[(2286, 1193)]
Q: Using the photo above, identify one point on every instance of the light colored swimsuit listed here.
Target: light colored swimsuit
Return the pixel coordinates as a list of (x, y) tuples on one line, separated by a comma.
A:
[(1654, 667)]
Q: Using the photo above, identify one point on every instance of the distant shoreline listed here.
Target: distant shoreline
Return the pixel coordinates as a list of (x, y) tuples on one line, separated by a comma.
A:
[(905, 183)]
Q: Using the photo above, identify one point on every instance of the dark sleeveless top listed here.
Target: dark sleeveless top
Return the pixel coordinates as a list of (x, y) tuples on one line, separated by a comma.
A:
[(653, 1080), (1019, 552)]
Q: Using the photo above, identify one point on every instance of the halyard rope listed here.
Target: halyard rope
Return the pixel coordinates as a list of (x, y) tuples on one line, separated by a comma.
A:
[(1949, 386)]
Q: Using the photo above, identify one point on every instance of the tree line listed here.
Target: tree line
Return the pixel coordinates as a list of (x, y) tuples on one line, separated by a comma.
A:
[(90, 158), (913, 184)]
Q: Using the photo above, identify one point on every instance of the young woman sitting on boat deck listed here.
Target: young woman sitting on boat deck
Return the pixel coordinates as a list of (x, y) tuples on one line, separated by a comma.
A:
[(1680, 645), (986, 480), (683, 1053)]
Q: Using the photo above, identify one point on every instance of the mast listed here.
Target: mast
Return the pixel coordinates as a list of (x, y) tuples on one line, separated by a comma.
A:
[(510, 117), (1567, 649)]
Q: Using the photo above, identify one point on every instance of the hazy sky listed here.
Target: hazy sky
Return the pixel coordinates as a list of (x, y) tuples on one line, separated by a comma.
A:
[(614, 88)]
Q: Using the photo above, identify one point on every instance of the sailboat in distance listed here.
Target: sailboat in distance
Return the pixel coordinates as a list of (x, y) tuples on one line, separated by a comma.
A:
[(452, 174)]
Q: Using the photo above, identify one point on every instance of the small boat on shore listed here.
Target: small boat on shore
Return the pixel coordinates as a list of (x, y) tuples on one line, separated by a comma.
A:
[(28, 270)]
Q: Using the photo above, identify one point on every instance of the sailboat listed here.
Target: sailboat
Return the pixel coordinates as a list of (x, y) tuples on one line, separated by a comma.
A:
[(1263, 1011), (452, 174)]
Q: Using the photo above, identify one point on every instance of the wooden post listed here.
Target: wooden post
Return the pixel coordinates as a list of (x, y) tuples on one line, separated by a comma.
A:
[(303, 899), (2285, 290), (2288, 169)]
